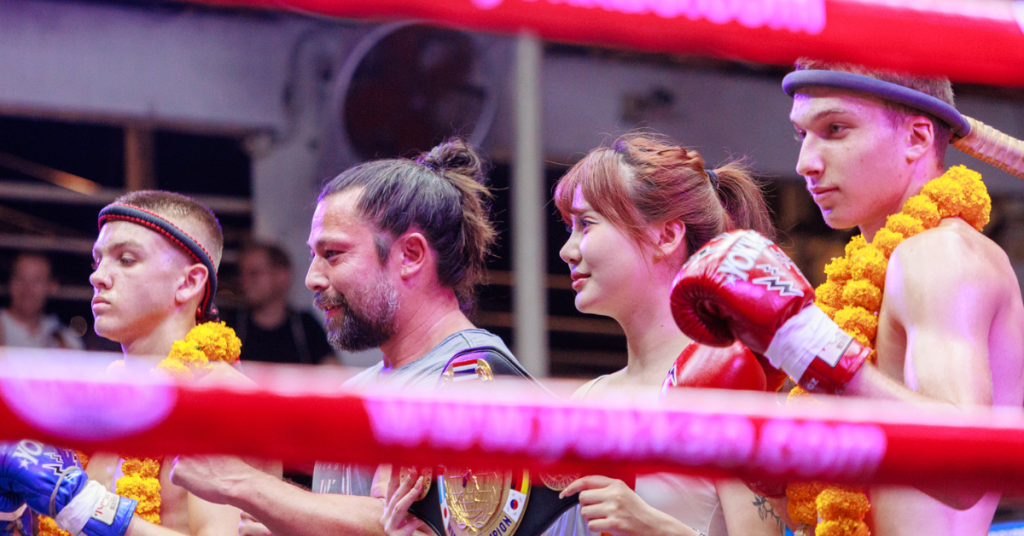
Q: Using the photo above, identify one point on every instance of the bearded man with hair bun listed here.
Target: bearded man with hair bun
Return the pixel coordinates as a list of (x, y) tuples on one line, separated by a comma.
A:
[(398, 247)]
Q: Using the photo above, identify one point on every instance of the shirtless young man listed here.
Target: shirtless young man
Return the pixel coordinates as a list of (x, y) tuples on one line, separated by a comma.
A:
[(154, 260), (951, 319)]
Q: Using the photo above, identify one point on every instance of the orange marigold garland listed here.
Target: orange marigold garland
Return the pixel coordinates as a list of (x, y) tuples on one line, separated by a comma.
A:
[(852, 297), (189, 358)]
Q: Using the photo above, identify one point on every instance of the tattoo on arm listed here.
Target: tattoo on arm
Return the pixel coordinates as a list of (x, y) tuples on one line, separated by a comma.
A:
[(765, 510)]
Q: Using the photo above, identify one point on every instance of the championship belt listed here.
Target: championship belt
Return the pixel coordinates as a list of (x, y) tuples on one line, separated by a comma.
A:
[(465, 502)]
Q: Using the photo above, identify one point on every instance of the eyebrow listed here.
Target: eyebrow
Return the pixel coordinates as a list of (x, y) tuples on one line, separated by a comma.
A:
[(118, 245), (578, 211), (825, 113), (324, 241)]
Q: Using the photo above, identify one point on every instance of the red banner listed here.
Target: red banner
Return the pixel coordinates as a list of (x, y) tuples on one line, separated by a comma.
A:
[(978, 41)]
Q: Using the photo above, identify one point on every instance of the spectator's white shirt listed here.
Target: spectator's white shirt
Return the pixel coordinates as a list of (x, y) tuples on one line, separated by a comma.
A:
[(50, 333)]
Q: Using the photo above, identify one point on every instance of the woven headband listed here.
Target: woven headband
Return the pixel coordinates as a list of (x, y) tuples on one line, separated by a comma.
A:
[(798, 80), (121, 212)]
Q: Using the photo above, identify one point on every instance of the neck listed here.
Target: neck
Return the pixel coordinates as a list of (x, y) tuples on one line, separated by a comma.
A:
[(424, 324), (270, 315), (157, 342), (30, 319), (917, 181), (653, 341)]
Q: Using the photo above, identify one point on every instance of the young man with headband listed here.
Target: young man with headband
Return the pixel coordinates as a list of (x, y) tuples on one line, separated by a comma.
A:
[(155, 275), (937, 300)]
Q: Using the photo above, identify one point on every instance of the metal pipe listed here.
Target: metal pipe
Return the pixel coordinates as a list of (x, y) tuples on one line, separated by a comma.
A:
[(528, 196)]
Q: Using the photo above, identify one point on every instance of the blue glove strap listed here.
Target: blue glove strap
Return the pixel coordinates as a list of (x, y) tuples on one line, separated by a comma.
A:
[(18, 527), (119, 525)]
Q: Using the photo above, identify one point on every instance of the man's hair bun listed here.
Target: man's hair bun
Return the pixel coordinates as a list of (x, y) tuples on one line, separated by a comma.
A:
[(454, 156)]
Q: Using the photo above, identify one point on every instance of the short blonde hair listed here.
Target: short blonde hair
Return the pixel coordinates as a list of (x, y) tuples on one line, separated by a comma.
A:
[(183, 210)]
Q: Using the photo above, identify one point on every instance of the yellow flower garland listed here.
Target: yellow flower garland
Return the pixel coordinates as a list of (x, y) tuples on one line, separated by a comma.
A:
[(852, 297), (189, 358)]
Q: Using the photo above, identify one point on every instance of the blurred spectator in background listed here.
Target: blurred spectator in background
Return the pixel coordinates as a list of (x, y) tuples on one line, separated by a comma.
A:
[(23, 323), (270, 330)]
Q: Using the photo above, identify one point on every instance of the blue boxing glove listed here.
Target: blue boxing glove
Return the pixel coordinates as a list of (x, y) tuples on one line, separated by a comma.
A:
[(51, 481), (15, 522)]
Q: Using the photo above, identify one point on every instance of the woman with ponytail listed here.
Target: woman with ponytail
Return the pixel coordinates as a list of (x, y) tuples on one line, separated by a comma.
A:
[(637, 210)]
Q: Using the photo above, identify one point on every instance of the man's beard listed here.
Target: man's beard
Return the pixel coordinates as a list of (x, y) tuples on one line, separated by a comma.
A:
[(370, 325)]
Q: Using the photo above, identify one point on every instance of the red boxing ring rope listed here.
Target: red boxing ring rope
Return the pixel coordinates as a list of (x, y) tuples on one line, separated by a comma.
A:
[(980, 41), (301, 414)]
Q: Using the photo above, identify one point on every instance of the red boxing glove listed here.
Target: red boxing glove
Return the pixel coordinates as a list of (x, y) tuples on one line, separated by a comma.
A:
[(709, 367), (741, 286)]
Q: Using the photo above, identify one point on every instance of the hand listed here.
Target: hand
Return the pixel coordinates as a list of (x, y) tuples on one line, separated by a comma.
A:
[(781, 507), (609, 506), (741, 286), (403, 490), (211, 477), (52, 483), (30, 471), (249, 526)]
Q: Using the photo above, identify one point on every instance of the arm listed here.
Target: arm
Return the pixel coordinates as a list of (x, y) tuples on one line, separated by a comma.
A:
[(944, 298), (946, 309), (283, 508), (745, 512), (609, 506)]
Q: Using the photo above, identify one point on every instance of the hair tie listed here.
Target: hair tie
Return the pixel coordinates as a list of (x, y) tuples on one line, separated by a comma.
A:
[(429, 165), (713, 177)]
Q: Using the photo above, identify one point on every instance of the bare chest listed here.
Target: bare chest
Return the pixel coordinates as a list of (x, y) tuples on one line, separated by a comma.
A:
[(173, 501), (104, 468)]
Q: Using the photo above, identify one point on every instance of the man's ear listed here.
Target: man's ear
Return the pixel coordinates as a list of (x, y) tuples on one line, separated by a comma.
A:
[(413, 253), (920, 137), (671, 236), (193, 285)]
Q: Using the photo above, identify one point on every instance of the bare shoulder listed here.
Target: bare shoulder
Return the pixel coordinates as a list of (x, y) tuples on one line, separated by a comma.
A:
[(224, 374), (953, 254), (598, 385)]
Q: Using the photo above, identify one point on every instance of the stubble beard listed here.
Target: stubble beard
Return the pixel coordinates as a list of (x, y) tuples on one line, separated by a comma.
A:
[(369, 325)]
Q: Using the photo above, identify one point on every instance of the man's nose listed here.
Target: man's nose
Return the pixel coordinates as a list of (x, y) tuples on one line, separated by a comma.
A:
[(99, 278), (316, 280), (809, 163)]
